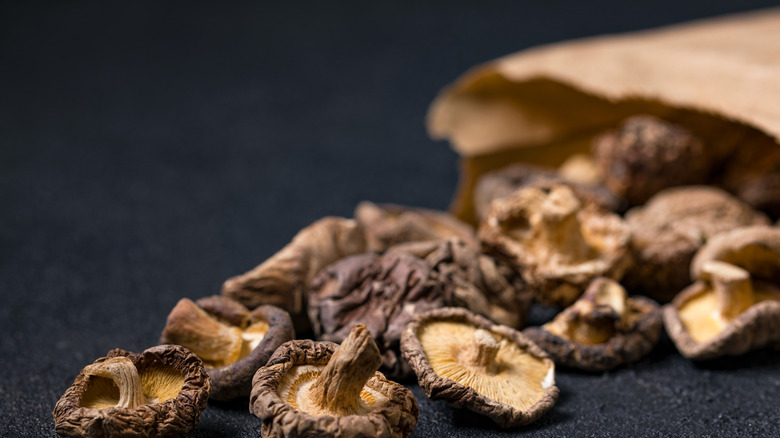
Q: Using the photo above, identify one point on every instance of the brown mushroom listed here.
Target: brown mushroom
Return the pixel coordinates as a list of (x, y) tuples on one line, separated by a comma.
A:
[(480, 283), (645, 155), (387, 225), (555, 243), (232, 341), (160, 392), (382, 292), (283, 279), (668, 230), (503, 182), (493, 370), (321, 389), (734, 307), (753, 174), (601, 330)]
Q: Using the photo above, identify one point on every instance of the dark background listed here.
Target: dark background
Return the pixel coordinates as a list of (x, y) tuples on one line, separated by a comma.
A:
[(150, 150)]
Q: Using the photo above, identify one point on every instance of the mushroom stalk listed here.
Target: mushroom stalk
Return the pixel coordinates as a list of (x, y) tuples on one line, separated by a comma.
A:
[(338, 387), (732, 286), (125, 376), (558, 226), (482, 352)]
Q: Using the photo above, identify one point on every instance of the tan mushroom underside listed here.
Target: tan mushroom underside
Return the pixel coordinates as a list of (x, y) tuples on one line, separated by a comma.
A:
[(520, 379), (158, 384)]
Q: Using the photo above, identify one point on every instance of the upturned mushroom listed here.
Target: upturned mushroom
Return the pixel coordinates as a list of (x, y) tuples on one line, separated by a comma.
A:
[(232, 341), (160, 392), (318, 389), (493, 370), (668, 230), (601, 330), (555, 243), (480, 283), (387, 225), (283, 279), (734, 306)]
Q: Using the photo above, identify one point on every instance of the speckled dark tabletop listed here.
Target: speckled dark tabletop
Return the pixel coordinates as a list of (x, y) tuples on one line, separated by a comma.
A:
[(150, 150)]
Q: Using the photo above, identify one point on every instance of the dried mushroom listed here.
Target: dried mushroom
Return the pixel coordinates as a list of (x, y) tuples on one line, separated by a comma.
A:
[(668, 230), (490, 369), (232, 341), (283, 279), (480, 283), (503, 182), (387, 225), (315, 389), (734, 307), (753, 174), (160, 392), (601, 330), (556, 244), (645, 155), (382, 292)]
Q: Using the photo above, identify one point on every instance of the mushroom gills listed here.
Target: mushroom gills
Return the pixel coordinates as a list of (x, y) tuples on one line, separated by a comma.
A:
[(116, 382)]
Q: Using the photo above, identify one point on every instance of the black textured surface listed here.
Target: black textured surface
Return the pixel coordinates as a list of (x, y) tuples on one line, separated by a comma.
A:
[(150, 150)]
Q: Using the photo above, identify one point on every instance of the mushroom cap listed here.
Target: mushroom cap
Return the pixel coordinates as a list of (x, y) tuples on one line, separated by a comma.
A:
[(668, 230), (518, 393), (382, 292), (172, 379), (386, 225), (393, 409), (480, 283), (634, 335), (260, 333), (593, 244)]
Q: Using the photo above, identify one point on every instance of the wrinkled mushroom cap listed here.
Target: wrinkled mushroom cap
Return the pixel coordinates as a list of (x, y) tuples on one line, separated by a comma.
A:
[(387, 225), (161, 392), (556, 244), (286, 397), (232, 341), (601, 330), (469, 362), (668, 230)]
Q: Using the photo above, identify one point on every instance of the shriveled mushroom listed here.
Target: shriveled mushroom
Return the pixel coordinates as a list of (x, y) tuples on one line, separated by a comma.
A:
[(668, 230), (645, 155), (480, 283), (734, 307), (503, 182), (601, 330), (387, 225), (318, 389), (160, 392), (556, 244), (232, 341), (382, 292), (493, 370), (753, 173), (283, 279)]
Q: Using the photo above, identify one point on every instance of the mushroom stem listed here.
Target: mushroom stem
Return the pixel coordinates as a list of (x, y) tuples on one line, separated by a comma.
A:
[(557, 224), (482, 352), (732, 286), (338, 387), (124, 374)]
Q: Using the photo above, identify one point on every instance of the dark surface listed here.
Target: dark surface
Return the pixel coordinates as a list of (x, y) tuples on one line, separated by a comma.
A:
[(149, 151)]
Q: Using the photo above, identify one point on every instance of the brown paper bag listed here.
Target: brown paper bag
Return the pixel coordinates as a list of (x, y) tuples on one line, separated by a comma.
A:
[(720, 77)]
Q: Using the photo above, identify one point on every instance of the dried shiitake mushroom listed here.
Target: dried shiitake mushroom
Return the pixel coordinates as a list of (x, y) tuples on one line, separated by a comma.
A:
[(753, 174), (645, 155), (555, 243), (283, 279), (382, 292), (160, 392), (668, 230), (232, 341), (601, 330), (321, 389), (503, 182), (734, 307), (480, 283), (387, 225), (490, 369)]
